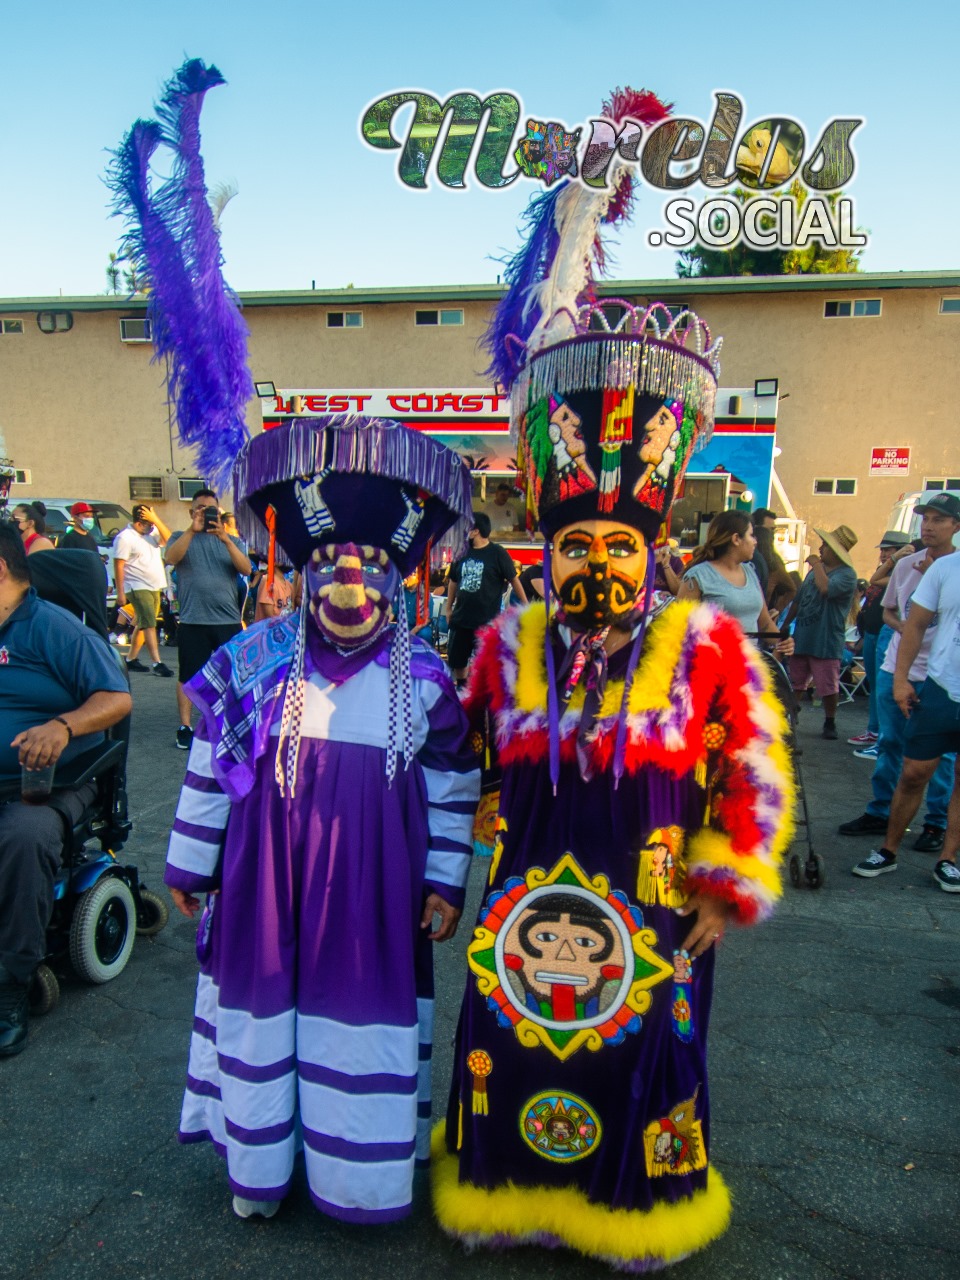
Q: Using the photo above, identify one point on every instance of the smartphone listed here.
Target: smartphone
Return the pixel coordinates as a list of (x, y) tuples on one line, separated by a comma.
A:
[(210, 517)]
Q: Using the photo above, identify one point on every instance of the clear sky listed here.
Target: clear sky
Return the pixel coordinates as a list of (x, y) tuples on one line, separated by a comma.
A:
[(315, 203)]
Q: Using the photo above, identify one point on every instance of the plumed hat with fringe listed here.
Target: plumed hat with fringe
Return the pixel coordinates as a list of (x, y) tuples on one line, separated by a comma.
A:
[(352, 479), (172, 241), (607, 415)]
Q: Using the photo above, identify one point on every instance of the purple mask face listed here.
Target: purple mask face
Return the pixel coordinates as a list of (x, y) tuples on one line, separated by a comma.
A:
[(350, 590)]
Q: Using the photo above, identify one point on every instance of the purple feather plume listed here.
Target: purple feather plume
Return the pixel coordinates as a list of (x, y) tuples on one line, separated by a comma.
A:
[(516, 317), (173, 240)]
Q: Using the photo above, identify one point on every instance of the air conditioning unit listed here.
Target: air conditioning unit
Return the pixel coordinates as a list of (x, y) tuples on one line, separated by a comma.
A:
[(135, 331), (187, 487)]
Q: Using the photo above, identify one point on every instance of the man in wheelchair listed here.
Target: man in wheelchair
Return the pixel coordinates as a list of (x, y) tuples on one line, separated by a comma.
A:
[(60, 688)]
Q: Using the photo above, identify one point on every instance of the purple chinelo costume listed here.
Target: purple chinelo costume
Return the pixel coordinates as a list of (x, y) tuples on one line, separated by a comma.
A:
[(315, 999)]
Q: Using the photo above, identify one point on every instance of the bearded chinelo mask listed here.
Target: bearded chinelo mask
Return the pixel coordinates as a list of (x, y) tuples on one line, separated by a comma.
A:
[(599, 575), (609, 401)]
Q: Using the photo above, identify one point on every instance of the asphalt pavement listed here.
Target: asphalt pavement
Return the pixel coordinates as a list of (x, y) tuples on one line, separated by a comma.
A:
[(835, 1061)]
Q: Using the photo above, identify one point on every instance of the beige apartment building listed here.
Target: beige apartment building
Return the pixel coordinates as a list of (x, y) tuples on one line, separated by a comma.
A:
[(856, 386)]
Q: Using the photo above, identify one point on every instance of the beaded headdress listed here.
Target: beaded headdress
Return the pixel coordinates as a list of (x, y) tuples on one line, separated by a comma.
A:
[(609, 400)]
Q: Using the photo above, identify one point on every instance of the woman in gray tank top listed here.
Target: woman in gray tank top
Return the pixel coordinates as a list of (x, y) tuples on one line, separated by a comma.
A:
[(721, 574)]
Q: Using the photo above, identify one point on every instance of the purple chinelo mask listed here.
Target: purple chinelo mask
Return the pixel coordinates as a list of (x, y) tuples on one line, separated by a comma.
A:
[(350, 590)]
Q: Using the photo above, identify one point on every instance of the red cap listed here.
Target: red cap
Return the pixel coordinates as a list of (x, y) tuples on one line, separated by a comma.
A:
[(81, 509)]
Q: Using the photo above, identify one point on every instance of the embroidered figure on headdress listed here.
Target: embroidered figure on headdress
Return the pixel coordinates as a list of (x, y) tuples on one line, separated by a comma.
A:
[(408, 527), (616, 430), (316, 514), (556, 454), (674, 1143), (665, 448)]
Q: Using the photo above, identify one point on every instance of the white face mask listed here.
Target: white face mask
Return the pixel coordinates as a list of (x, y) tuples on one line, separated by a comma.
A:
[(89, 522)]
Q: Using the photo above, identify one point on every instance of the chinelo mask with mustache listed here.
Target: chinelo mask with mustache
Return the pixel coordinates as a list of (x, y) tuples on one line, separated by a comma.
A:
[(598, 575), (350, 589)]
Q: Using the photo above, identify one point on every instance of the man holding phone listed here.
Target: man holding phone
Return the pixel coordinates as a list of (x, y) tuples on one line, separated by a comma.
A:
[(207, 560)]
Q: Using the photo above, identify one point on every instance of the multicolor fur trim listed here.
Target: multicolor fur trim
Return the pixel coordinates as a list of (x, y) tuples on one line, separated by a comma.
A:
[(630, 1240), (697, 670)]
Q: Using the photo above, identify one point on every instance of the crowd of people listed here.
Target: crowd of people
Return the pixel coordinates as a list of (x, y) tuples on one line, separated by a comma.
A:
[(262, 742)]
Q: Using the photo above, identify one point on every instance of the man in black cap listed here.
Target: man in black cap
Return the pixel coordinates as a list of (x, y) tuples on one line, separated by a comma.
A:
[(940, 522)]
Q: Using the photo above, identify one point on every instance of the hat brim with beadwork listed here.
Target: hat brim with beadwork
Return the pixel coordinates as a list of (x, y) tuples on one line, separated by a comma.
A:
[(352, 479), (608, 421)]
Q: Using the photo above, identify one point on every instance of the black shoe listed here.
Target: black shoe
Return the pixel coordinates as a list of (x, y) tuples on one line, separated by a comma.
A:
[(14, 1012), (134, 664), (161, 669), (930, 839), (184, 737), (876, 863), (868, 824), (830, 731), (947, 876)]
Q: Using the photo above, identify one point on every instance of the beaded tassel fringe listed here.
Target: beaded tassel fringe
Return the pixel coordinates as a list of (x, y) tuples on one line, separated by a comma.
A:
[(285, 767), (400, 714)]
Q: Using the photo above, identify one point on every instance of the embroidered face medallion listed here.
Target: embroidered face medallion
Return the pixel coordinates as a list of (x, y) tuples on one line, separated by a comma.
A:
[(565, 960), (560, 1127), (350, 591), (598, 574)]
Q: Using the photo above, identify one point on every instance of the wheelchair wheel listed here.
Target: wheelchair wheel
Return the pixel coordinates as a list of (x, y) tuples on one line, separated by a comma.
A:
[(815, 871), (796, 871), (103, 929), (153, 914), (44, 990)]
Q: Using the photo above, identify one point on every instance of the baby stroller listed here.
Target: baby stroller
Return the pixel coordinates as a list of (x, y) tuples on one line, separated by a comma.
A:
[(99, 903), (812, 871)]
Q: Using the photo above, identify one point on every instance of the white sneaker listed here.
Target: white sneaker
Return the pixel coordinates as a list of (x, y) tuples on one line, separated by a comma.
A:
[(244, 1208)]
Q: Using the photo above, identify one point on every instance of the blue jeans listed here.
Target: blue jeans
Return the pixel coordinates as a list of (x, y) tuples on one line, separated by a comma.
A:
[(870, 667), (886, 774)]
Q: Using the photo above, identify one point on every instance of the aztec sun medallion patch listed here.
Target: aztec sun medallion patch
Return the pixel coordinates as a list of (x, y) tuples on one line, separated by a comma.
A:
[(565, 960), (560, 1126)]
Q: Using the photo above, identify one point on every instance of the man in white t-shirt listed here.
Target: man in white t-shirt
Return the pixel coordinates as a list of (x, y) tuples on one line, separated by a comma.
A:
[(933, 715), (502, 510), (940, 522), (141, 577)]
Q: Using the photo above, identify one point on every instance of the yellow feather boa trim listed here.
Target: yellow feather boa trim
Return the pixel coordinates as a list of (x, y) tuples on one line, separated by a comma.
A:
[(666, 1233), (651, 686), (708, 848)]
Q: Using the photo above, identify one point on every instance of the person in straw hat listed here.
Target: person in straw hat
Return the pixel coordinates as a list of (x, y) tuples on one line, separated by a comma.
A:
[(821, 609)]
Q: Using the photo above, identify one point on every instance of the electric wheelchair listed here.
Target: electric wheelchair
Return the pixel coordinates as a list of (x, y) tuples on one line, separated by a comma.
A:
[(100, 904)]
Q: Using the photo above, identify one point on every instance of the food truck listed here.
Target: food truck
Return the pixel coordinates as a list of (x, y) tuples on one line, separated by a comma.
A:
[(734, 469)]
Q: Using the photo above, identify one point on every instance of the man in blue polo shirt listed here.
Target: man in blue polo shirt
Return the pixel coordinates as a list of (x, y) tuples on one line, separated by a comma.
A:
[(60, 687)]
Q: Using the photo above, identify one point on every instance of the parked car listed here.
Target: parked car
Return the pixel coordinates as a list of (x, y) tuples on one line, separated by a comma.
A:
[(110, 519)]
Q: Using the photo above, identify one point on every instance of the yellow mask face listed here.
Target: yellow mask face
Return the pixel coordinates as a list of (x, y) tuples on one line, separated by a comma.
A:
[(599, 567)]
